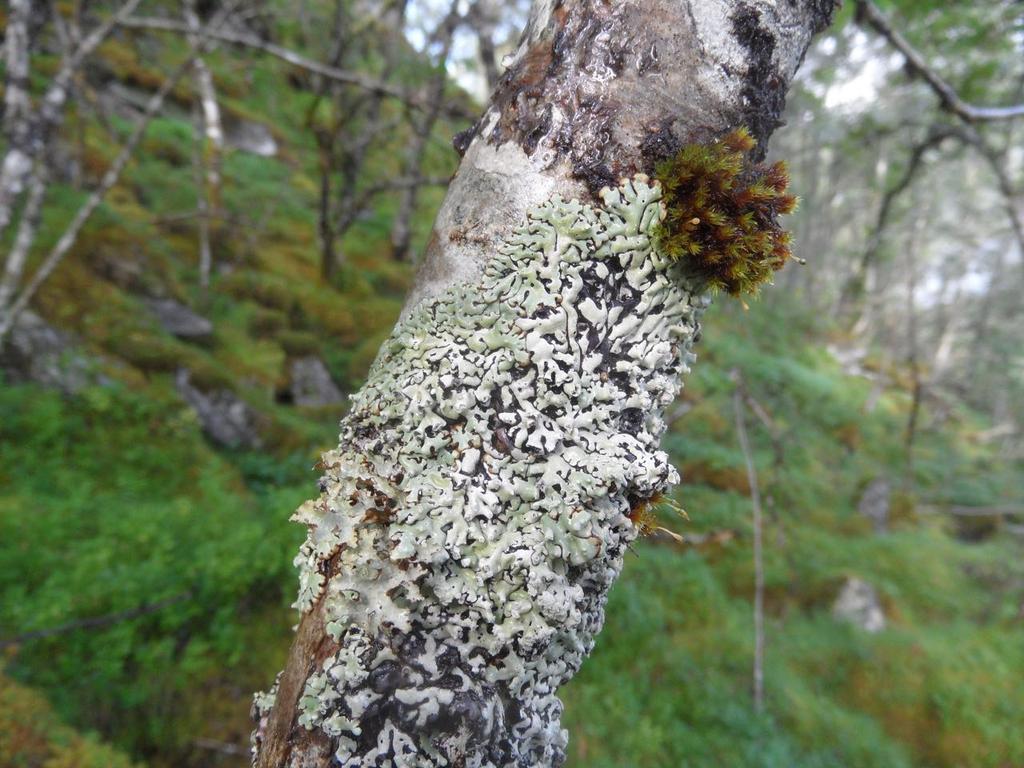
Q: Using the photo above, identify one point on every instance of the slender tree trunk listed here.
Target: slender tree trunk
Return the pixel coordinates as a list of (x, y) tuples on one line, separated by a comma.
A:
[(17, 121), (482, 18), (477, 508), (918, 226), (422, 128), (28, 131), (755, 500), (357, 137), (210, 145)]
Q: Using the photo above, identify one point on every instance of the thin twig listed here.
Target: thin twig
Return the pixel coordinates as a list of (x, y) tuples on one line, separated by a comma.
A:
[(94, 622), (298, 60), (868, 13), (962, 511)]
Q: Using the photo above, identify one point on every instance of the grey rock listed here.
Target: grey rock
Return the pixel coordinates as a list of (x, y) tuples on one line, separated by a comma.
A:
[(252, 137), (36, 352), (859, 605), (126, 271), (875, 502), (223, 415), (311, 384), (178, 320)]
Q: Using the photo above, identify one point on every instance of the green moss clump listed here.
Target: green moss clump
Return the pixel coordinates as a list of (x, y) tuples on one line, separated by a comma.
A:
[(723, 213), (150, 352), (298, 343), (266, 290)]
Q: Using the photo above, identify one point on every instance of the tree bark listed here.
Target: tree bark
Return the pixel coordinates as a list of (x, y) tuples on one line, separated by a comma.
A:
[(477, 508)]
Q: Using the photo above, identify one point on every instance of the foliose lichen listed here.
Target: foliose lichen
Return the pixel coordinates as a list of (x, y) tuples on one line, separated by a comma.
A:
[(723, 213), (479, 504)]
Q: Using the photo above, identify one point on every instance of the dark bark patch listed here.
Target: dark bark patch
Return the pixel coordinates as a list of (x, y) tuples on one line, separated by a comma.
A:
[(659, 144), (822, 12), (462, 139), (764, 87)]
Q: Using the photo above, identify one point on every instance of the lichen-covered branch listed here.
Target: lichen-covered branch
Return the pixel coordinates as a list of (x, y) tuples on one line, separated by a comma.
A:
[(477, 508)]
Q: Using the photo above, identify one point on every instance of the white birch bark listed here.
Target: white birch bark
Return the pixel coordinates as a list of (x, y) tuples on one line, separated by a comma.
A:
[(17, 299), (477, 508), (210, 148), (17, 127), (29, 130)]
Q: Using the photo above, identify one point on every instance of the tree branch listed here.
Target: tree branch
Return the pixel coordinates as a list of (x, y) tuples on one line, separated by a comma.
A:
[(855, 284), (302, 62), (94, 622), (868, 13)]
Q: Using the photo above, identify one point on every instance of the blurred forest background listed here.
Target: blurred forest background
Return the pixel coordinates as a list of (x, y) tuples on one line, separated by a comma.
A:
[(209, 216)]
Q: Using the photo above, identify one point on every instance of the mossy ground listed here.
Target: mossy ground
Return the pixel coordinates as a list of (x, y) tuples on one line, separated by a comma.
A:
[(111, 500), (670, 680)]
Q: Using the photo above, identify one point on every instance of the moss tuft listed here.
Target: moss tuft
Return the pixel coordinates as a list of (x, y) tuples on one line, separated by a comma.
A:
[(298, 343), (267, 322), (723, 213)]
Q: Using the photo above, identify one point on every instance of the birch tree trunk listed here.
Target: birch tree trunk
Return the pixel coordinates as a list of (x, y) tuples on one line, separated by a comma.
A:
[(477, 508)]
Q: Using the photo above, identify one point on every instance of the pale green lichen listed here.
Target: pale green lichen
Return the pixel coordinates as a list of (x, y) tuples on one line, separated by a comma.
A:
[(479, 499)]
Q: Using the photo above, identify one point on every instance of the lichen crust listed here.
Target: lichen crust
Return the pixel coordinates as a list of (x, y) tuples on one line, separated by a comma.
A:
[(477, 508)]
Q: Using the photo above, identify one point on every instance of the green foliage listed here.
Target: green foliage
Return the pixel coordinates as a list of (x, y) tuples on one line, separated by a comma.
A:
[(723, 213), (298, 343), (130, 509), (31, 734), (669, 680)]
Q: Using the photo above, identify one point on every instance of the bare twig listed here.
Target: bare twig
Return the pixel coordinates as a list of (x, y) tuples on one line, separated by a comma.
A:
[(961, 511), (869, 14), (345, 77), (94, 622)]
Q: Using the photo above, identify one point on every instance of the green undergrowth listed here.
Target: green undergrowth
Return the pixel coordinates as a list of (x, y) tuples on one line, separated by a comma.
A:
[(31, 734), (670, 682)]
